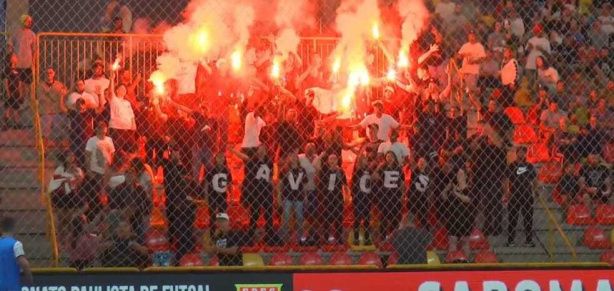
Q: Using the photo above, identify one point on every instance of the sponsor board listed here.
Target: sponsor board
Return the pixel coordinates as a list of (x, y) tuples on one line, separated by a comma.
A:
[(525, 280), (216, 281)]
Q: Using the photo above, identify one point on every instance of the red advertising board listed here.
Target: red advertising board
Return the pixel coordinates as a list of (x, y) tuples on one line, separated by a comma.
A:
[(525, 280)]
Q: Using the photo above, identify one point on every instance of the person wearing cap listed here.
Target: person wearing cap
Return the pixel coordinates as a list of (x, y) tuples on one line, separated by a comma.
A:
[(225, 243), (23, 43), (473, 55), (537, 46), (384, 122)]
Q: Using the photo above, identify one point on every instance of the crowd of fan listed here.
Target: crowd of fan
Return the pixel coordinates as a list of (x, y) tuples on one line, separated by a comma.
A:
[(557, 72)]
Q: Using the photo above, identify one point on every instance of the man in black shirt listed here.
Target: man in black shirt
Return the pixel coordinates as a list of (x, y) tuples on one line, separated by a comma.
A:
[(204, 141), (226, 243), (595, 180), (81, 129), (332, 184), (488, 177), (133, 202), (521, 185), (289, 138), (411, 243)]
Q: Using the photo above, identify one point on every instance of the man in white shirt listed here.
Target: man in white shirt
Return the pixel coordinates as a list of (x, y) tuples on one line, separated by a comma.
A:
[(384, 121), (122, 122), (516, 24), (607, 19), (473, 54), (23, 44), (399, 149), (91, 101), (537, 46), (99, 151), (98, 83), (251, 138)]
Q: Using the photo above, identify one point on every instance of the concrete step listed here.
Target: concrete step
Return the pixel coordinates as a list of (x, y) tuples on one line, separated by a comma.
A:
[(21, 200), (29, 221), (16, 178)]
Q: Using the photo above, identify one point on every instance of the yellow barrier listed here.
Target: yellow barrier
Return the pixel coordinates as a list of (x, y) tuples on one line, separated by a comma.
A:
[(36, 271), (555, 224), (111, 270), (500, 266)]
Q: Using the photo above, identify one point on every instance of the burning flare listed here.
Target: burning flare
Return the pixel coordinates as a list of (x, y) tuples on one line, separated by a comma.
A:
[(200, 41), (115, 65), (375, 31), (403, 61), (337, 65), (276, 70), (158, 79), (235, 60), (391, 75)]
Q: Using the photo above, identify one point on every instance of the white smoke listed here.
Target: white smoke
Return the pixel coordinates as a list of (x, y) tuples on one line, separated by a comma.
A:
[(414, 14)]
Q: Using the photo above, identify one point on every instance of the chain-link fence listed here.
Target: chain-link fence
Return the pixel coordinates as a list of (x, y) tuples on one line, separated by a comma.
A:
[(391, 132)]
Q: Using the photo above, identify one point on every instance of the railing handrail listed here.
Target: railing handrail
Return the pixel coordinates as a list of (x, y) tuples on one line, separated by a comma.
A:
[(558, 228)]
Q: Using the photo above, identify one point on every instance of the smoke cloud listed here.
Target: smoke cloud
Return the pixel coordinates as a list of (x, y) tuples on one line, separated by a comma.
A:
[(414, 14)]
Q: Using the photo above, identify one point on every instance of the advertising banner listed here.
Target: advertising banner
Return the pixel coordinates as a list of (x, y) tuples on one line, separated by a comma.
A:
[(227, 281), (525, 280)]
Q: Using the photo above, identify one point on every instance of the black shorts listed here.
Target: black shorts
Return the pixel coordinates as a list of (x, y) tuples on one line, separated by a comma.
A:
[(13, 101), (25, 75)]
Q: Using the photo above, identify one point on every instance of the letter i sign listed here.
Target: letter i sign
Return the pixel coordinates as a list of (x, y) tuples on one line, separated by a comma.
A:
[(258, 287)]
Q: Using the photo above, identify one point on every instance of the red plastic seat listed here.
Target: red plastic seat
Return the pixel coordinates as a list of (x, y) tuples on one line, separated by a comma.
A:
[(607, 257), (441, 240), (515, 115), (550, 173), (605, 214), (214, 261), (538, 153), (579, 214), (239, 217), (525, 134), (330, 248), (277, 249), (384, 247), (191, 260), (456, 257), (370, 259), (556, 196), (202, 217), (305, 249), (486, 257), (251, 249), (595, 238), (281, 259), (310, 259), (340, 259), (393, 258), (477, 240), (157, 240)]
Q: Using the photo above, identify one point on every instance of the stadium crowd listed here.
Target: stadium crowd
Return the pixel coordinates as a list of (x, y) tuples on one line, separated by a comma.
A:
[(538, 78)]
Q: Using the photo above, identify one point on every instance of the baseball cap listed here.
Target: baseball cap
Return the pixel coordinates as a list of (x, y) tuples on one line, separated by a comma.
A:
[(378, 102), (222, 216)]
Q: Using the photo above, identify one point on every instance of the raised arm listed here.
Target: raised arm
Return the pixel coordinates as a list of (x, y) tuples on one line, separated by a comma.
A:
[(238, 154)]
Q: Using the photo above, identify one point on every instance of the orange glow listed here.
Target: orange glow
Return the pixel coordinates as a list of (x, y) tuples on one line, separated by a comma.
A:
[(235, 60), (375, 31), (158, 79), (200, 41)]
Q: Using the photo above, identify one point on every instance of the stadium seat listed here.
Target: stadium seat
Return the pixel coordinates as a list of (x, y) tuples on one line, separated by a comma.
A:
[(239, 217), (281, 259), (432, 258), (579, 214), (556, 196), (384, 247), (214, 261), (393, 258), (550, 173), (340, 259), (456, 257), (607, 257), (202, 217), (441, 241), (525, 134), (477, 240), (191, 260), (604, 214), (486, 257), (251, 249), (515, 115), (370, 259), (538, 153), (157, 240), (309, 259), (157, 219), (277, 249), (252, 260), (595, 238)]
